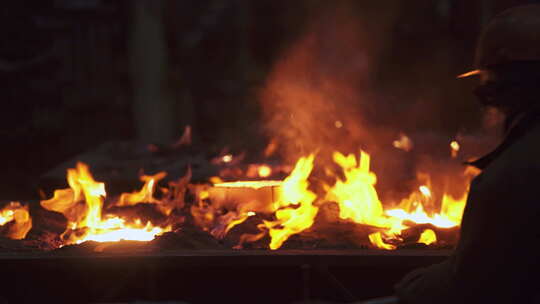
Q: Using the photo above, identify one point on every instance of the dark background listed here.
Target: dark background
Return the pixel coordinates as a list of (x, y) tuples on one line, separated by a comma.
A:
[(72, 71)]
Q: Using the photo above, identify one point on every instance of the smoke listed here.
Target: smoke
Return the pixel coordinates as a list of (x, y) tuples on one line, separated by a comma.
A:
[(324, 95), (318, 96)]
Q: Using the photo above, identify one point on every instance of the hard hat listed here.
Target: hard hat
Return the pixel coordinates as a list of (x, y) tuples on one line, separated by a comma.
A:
[(511, 36)]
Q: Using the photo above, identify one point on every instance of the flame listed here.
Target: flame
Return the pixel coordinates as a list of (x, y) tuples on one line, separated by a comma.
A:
[(19, 215), (356, 195), (227, 158), (301, 215), (358, 201), (146, 194), (82, 205), (377, 240), (452, 209), (403, 143), (428, 237), (425, 191)]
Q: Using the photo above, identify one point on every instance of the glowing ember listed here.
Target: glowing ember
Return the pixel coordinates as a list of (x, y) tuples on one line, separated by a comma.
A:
[(338, 124), (454, 148), (403, 143), (265, 171), (227, 158), (19, 215)]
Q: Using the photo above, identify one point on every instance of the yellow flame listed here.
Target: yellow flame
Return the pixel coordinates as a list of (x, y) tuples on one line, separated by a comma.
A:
[(428, 237), (87, 217), (356, 195), (227, 158), (376, 239), (294, 191)]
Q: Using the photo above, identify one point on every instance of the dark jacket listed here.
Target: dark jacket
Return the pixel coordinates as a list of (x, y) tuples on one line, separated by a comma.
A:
[(498, 256)]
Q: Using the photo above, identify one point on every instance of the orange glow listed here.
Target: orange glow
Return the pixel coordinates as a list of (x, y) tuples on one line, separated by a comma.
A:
[(338, 124), (227, 158), (19, 215), (82, 205)]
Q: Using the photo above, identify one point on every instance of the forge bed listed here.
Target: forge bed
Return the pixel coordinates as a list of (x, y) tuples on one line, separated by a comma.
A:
[(208, 276)]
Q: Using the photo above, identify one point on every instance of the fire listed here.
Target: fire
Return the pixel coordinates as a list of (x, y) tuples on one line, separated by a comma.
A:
[(356, 195), (425, 191), (296, 211), (428, 237), (296, 206), (377, 240), (278, 208), (146, 194), (358, 201), (82, 204), (17, 214)]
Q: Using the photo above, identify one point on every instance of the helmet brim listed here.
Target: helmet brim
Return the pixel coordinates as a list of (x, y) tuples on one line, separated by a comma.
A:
[(470, 74)]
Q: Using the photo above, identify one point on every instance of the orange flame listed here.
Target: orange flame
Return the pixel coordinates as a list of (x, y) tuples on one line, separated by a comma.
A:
[(19, 215), (82, 205), (294, 191), (356, 195)]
